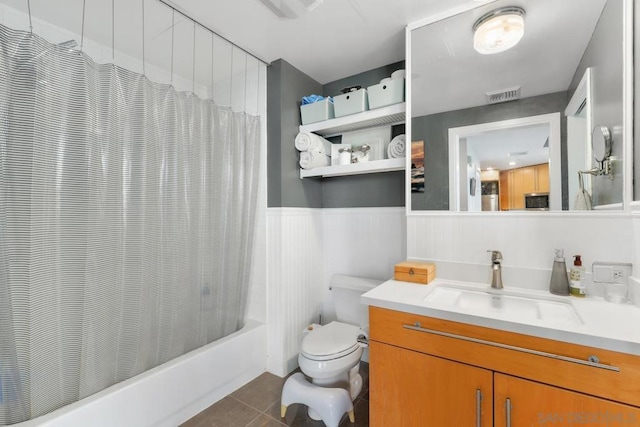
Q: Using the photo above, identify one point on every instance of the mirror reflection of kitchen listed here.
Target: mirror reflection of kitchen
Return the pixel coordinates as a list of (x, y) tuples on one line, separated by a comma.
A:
[(566, 71), (513, 169)]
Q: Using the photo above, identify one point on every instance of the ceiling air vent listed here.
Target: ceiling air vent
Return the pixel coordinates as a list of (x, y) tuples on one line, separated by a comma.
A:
[(503, 95)]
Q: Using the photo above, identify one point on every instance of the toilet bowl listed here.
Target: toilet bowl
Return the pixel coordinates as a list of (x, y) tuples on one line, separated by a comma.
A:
[(330, 355)]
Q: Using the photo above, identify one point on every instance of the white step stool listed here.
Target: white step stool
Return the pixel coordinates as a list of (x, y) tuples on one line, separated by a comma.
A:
[(328, 403)]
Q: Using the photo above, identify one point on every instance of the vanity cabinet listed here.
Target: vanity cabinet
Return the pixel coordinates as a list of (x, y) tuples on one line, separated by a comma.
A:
[(432, 372), (415, 386), (520, 402)]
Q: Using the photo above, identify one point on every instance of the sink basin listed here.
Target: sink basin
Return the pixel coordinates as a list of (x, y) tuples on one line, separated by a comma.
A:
[(503, 304)]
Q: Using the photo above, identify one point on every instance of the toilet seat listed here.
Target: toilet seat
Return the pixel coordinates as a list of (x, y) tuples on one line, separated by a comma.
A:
[(331, 341)]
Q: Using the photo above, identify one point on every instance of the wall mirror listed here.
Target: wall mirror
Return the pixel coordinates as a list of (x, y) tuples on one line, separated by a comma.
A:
[(511, 131)]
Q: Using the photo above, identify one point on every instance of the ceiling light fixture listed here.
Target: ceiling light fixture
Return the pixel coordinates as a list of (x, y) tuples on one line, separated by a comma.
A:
[(498, 30)]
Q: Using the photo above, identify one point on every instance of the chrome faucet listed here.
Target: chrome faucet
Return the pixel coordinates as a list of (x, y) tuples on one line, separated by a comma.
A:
[(496, 268)]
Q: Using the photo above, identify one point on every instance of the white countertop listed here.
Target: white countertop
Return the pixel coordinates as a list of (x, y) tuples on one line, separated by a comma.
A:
[(601, 324)]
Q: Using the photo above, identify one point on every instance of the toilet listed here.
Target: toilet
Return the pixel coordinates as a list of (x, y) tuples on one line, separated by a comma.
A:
[(331, 354)]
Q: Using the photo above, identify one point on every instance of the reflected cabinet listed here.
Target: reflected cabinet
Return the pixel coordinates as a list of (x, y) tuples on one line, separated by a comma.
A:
[(516, 185)]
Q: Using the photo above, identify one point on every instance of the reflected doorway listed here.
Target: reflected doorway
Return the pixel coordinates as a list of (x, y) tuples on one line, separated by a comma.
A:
[(510, 165), (579, 125)]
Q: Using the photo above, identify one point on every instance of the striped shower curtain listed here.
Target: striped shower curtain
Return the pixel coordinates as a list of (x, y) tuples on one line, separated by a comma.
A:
[(126, 220)]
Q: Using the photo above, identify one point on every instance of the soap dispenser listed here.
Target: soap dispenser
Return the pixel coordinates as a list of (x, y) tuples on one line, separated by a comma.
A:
[(559, 280), (576, 278)]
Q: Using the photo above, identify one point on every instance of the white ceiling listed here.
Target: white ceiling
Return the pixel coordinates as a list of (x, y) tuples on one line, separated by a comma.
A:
[(448, 74), (339, 38), (524, 145)]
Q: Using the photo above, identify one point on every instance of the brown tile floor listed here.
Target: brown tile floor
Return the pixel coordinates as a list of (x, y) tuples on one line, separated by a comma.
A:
[(257, 404)]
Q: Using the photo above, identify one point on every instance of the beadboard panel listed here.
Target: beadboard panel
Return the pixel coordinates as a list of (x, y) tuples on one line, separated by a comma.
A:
[(634, 282), (294, 277), (305, 247), (364, 242), (527, 243)]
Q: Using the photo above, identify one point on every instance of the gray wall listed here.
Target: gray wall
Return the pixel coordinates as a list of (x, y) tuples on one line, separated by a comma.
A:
[(605, 55), (373, 190), (286, 85), (434, 131), (365, 79)]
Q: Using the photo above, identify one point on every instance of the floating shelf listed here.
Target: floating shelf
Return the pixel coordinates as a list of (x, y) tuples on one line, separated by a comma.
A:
[(390, 115), (373, 166)]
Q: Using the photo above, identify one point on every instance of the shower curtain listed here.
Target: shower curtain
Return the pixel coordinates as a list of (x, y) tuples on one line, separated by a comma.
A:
[(126, 220)]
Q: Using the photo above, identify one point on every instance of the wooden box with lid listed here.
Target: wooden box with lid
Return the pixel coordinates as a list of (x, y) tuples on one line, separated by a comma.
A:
[(415, 271)]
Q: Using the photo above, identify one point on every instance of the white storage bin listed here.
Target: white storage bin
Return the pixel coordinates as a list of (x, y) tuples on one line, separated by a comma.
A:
[(351, 103), (317, 112), (387, 93)]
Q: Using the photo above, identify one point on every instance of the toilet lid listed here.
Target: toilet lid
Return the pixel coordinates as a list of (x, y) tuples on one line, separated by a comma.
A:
[(331, 341)]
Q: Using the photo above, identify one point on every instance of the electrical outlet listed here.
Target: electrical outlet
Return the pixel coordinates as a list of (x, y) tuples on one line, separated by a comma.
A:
[(610, 272)]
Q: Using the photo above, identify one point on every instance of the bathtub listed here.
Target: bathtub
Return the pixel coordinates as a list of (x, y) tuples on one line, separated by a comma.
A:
[(173, 392)]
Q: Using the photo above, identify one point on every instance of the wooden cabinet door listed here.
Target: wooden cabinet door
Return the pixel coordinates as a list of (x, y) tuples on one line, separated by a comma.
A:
[(517, 183), (542, 178), (535, 404), (407, 389), (504, 191), (528, 178)]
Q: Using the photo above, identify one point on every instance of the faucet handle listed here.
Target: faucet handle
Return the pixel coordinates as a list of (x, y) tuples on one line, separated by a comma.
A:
[(496, 256)]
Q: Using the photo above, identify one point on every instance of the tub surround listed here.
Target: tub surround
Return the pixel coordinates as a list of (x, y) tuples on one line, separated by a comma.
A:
[(604, 325), (170, 394)]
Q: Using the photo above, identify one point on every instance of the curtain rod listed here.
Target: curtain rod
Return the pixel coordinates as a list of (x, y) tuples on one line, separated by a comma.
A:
[(182, 12)]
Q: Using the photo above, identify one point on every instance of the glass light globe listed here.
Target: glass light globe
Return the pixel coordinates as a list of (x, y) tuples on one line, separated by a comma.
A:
[(498, 33)]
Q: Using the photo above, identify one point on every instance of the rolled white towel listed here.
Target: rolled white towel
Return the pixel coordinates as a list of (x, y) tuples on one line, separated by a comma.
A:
[(396, 148), (306, 141), (313, 159)]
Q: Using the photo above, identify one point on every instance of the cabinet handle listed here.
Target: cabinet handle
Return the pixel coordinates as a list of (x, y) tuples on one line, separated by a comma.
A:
[(478, 408), (515, 348), (508, 405)]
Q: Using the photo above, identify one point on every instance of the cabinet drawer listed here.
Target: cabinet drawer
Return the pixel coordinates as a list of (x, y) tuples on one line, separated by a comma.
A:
[(616, 376)]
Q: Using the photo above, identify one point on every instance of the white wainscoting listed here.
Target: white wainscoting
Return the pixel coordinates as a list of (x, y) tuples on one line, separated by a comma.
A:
[(294, 276), (458, 243), (364, 242), (305, 247)]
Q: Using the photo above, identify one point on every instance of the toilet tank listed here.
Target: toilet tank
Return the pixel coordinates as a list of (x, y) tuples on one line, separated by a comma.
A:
[(346, 292)]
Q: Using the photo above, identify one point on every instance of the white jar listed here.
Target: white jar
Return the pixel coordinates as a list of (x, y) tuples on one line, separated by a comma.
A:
[(344, 157)]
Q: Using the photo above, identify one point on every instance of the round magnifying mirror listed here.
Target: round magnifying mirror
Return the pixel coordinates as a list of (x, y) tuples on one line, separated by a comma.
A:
[(601, 143)]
